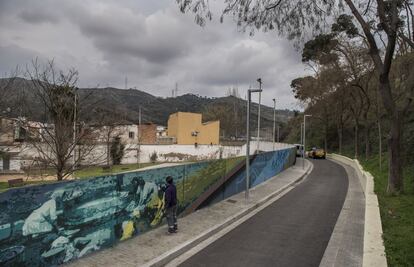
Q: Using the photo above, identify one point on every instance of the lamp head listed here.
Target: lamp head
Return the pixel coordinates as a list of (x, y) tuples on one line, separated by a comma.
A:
[(259, 80)]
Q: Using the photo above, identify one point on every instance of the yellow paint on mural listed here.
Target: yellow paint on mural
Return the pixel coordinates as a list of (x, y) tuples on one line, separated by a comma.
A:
[(160, 212), (128, 230)]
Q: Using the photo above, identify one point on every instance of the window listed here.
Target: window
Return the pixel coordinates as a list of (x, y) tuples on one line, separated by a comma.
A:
[(131, 135)]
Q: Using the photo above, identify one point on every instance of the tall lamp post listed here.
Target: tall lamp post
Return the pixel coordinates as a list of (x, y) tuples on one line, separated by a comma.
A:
[(258, 114), (274, 123), (304, 139), (249, 100), (139, 138), (278, 134), (74, 127)]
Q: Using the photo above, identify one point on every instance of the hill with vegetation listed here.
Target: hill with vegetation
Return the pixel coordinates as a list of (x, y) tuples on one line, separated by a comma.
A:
[(123, 105)]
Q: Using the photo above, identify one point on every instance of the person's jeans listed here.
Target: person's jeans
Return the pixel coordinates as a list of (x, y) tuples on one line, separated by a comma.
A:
[(172, 217)]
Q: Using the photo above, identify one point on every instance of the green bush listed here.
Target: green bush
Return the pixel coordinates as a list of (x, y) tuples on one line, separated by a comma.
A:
[(117, 151)]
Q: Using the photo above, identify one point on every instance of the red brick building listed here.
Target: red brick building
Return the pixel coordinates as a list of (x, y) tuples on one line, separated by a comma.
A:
[(148, 133)]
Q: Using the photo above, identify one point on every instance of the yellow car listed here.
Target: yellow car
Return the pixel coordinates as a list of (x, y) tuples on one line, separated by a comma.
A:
[(317, 153)]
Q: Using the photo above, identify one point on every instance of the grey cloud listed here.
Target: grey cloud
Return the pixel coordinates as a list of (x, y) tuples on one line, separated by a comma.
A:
[(40, 16), (13, 56), (151, 43), (157, 38)]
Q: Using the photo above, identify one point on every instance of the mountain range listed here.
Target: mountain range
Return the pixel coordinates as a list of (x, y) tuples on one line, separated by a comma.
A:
[(19, 99)]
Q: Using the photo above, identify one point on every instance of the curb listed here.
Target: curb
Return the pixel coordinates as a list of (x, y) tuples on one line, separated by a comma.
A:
[(182, 248), (374, 251)]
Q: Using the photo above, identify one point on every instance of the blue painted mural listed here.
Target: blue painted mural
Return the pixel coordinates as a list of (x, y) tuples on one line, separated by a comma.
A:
[(47, 225)]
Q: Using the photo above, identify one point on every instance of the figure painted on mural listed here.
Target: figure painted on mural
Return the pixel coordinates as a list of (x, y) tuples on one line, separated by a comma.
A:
[(159, 206), (128, 230), (94, 241), (171, 205), (61, 250), (43, 219), (144, 193)]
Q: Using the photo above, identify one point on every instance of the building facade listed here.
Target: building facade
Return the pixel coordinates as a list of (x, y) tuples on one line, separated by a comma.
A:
[(188, 129)]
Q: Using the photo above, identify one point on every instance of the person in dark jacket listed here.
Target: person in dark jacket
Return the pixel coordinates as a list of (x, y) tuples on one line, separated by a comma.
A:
[(171, 205)]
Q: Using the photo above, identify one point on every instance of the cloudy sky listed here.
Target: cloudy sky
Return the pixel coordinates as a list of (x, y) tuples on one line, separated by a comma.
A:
[(151, 43)]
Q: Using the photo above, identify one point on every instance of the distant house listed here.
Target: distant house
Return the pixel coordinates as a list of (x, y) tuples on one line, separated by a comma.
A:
[(188, 129), (145, 133), (148, 133), (7, 131), (11, 134)]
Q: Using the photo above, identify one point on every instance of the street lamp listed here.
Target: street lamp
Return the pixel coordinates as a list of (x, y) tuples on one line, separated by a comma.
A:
[(278, 135), (304, 139), (258, 115), (249, 100), (274, 122), (74, 127), (301, 138), (139, 138)]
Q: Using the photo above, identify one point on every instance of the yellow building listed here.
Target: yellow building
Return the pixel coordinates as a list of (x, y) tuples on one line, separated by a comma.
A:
[(187, 128)]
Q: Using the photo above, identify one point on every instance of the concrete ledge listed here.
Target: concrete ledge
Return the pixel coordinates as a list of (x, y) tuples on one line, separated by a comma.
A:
[(250, 207), (374, 251)]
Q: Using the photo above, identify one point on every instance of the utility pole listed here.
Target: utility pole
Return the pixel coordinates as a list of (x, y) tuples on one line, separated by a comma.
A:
[(139, 138), (301, 140), (278, 128), (250, 91), (258, 115), (74, 131), (304, 139), (274, 123)]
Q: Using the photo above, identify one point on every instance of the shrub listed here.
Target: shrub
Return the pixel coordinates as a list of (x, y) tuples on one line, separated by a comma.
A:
[(117, 151), (154, 157)]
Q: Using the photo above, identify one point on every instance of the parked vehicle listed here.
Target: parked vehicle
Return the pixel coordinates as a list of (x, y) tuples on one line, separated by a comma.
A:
[(299, 150), (317, 153)]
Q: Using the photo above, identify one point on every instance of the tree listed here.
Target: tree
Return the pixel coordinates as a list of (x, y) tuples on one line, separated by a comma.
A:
[(117, 151), (62, 140), (382, 24), (106, 126)]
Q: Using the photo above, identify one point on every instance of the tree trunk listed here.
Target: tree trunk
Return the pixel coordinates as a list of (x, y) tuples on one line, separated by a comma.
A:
[(380, 144), (108, 153), (59, 173), (356, 139), (367, 144), (395, 179), (326, 139), (340, 130)]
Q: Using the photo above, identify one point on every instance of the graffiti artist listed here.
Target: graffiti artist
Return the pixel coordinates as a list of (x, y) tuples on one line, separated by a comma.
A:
[(171, 205)]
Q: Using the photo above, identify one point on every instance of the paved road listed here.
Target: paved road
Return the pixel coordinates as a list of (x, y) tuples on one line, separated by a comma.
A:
[(293, 231)]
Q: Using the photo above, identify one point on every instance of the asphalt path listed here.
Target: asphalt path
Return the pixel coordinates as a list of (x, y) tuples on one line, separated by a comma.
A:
[(293, 231)]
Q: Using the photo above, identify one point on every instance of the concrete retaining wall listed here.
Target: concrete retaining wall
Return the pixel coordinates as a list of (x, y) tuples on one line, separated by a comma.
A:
[(51, 224), (374, 251), (165, 153)]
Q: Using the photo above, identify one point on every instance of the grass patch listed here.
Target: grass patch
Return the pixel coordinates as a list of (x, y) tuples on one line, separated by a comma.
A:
[(98, 171), (4, 186), (397, 213), (81, 174)]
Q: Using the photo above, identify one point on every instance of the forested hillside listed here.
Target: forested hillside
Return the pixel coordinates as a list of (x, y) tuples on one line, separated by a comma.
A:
[(122, 106)]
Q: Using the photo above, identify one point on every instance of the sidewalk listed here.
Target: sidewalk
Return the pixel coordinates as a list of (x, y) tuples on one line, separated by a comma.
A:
[(156, 247)]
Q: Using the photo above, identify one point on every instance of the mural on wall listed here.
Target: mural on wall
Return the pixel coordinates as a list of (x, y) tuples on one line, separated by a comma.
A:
[(51, 224), (262, 167)]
